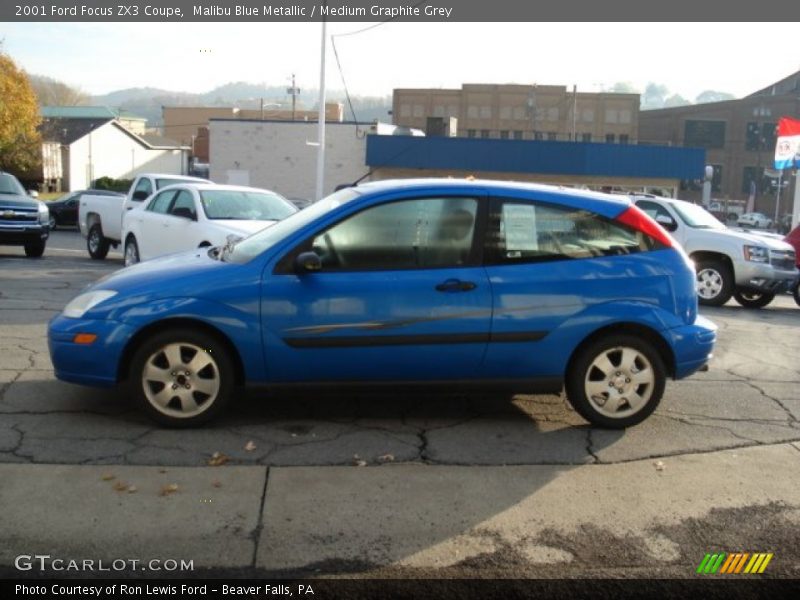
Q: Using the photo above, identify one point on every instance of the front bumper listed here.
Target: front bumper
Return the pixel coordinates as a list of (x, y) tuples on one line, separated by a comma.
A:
[(19, 235), (693, 346), (763, 277), (96, 364)]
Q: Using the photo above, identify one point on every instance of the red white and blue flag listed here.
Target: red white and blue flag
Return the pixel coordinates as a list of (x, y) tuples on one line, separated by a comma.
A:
[(787, 148)]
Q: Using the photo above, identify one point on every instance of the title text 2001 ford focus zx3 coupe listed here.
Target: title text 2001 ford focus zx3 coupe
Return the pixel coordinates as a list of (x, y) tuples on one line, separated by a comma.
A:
[(524, 287)]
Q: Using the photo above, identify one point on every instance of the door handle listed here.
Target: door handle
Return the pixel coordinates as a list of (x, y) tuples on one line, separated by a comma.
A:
[(455, 285)]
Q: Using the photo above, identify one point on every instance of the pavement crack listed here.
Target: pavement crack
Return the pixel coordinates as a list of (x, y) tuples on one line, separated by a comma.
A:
[(5, 387), (789, 414), (255, 535), (590, 445)]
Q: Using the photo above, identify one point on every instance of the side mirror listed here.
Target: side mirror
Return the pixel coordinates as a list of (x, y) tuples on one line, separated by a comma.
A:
[(185, 212), (139, 195), (307, 262), (666, 222)]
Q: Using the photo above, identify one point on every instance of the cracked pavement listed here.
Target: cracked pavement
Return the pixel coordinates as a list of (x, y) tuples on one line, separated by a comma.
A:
[(748, 398)]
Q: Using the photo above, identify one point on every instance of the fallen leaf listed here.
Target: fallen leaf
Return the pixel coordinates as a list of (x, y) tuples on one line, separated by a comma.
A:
[(120, 486), (250, 446), (132, 489), (168, 489), (108, 477), (659, 465), (361, 463), (216, 484), (162, 470), (217, 459), (386, 458)]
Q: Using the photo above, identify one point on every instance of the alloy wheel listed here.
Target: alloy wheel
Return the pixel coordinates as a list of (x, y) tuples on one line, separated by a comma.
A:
[(619, 382)]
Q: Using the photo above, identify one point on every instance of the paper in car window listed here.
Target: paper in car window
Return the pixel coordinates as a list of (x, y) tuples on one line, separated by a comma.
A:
[(519, 223)]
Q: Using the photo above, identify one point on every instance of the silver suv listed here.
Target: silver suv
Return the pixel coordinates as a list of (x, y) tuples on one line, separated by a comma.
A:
[(749, 267)]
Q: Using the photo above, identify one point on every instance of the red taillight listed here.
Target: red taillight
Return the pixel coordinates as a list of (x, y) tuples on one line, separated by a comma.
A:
[(640, 221)]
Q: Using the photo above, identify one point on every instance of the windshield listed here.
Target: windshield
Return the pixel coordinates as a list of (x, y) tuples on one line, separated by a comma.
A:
[(10, 185), (696, 216), (254, 245), (161, 183), (247, 206)]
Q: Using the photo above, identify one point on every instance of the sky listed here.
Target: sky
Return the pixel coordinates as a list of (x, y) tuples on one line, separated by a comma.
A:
[(688, 58)]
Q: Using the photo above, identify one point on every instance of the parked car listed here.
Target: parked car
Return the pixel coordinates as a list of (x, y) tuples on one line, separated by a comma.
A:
[(793, 238), (751, 267), (64, 210), (23, 219), (518, 286), (100, 217), (183, 217), (754, 219)]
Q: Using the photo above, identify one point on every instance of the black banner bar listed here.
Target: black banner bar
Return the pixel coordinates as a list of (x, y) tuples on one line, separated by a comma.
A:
[(410, 10)]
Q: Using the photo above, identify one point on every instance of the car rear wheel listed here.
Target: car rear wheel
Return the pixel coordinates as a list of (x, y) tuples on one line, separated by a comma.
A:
[(616, 382), (752, 298), (96, 244), (131, 251), (34, 249), (182, 378), (52, 223), (714, 282), (796, 293)]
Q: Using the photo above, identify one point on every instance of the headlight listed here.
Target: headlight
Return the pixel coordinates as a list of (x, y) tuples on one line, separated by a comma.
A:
[(756, 254), (79, 305), (44, 213)]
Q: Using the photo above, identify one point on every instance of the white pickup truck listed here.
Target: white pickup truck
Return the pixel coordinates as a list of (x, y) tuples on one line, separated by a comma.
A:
[(100, 217), (750, 267)]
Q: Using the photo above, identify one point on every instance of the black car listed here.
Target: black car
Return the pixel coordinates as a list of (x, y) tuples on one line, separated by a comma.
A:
[(23, 220), (64, 211)]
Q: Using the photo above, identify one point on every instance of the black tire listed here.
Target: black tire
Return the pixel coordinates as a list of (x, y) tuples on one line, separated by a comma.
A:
[(201, 406), (131, 251), (752, 299), (714, 282), (52, 223), (34, 249), (618, 385), (96, 244), (796, 293)]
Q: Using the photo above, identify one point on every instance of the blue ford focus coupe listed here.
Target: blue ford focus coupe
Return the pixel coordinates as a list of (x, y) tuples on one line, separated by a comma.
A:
[(523, 287)]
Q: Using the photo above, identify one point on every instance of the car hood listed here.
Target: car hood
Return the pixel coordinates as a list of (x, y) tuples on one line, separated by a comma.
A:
[(15, 200), (242, 227), (749, 237)]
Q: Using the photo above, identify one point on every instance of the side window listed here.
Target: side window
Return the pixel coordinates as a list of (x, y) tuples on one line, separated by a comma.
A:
[(145, 186), (160, 204), (419, 233), (183, 206), (653, 209), (534, 232)]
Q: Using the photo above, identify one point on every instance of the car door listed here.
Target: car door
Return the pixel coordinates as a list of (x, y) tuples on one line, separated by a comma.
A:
[(69, 214), (149, 224), (180, 227), (401, 296)]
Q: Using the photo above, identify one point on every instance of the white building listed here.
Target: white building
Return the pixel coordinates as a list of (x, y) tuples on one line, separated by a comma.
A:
[(282, 155), (92, 147)]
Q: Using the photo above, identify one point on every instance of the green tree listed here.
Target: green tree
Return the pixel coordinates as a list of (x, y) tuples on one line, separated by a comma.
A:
[(622, 87), (20, 144)]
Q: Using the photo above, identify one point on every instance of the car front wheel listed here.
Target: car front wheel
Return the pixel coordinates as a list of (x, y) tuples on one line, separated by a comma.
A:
[(616, 382), (34, 249), (714, 282), (131, 251), (796, 293), (753, 299), (182, 378)]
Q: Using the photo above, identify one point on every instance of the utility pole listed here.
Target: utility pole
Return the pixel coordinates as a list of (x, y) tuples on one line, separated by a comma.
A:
[(321, 119), (574, 112), (293, 91)]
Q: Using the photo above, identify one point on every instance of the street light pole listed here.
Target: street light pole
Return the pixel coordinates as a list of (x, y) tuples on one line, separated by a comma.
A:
[(321, 119)]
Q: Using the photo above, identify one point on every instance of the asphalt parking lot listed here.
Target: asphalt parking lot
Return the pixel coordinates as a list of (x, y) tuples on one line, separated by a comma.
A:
[(745, 405)]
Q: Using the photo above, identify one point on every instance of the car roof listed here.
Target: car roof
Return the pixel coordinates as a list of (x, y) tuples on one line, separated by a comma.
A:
[(597, 201), (219, 186)]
